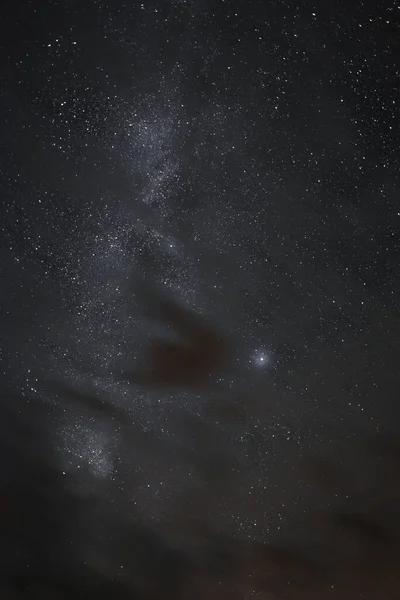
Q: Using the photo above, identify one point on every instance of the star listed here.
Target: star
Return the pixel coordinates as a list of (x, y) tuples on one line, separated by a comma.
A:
[(261, 358)]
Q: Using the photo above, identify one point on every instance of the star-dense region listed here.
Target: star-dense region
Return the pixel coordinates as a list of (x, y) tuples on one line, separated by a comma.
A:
[(241, 158)]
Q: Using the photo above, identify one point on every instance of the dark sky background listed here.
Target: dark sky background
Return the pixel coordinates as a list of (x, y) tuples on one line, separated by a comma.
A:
[(241, 156)]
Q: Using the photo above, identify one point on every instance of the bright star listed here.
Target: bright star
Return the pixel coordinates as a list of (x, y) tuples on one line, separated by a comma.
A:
[(260, 358)]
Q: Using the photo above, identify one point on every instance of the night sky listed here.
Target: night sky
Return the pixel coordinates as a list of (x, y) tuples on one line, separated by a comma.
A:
[(242, 159)]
